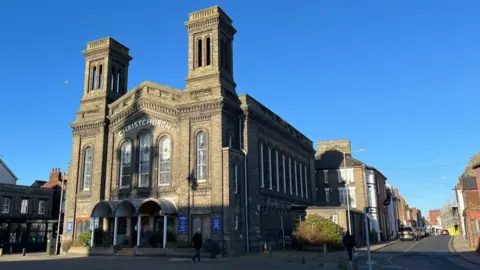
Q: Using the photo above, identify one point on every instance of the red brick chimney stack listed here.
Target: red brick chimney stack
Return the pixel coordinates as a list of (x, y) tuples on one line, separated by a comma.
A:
[(55, 175)]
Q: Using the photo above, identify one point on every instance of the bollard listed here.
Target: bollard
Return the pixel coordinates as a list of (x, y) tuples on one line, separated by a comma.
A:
[(1, 252), (24, 251), (303, 259), (270, 250)]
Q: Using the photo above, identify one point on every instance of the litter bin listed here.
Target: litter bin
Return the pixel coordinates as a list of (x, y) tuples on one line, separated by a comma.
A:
[(50, 246)]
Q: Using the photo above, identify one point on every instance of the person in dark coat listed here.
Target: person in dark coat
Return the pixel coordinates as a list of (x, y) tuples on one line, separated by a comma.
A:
[(197, 245), (349, 243)]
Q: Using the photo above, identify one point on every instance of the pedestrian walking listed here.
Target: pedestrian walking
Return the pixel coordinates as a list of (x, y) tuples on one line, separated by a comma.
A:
[(197, 245), (349, 243)]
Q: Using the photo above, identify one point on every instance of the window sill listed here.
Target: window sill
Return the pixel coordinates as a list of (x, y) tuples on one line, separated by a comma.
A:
[(164, 185)]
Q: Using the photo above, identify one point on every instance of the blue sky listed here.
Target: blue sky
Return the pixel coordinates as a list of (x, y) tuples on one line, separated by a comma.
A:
[(399, 78)]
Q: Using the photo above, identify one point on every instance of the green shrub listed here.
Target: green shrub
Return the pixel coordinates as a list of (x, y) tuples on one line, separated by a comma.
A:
[(82, 240), (66, 245), (317, 230), (212, 247)]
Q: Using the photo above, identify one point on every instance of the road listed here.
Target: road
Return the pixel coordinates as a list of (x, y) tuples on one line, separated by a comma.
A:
[(431, 252)]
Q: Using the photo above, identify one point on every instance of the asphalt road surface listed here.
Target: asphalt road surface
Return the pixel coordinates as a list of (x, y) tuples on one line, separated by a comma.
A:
[(431, 252)]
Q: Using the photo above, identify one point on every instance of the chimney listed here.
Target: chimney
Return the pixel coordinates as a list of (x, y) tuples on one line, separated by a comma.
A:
[(343, 146), (55, 175)]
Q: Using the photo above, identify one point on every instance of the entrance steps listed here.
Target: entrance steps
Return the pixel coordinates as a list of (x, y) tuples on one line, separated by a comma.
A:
[(125, 252)]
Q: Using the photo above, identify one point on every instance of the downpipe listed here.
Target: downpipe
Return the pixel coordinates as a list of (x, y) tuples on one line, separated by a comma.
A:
[(247, 232)]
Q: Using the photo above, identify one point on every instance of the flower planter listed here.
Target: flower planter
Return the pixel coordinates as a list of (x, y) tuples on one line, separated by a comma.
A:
[(79, 250)]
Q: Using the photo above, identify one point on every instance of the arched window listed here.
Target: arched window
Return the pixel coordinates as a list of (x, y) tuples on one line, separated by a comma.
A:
[(87, 170), (290, 180), (94, 74), (296, 177), (165, 161), (208, 49), (262, 167), (126, 164), (277, 171), (270, 168), (118, 81), (300, 166), (201, 156), (199, 53), (144, 165), (79, 227), (235, 178), (100, 76), (113, 81)]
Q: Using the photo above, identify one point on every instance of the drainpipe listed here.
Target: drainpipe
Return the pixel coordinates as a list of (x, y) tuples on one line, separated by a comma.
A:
[(59, 215), (245, 181)]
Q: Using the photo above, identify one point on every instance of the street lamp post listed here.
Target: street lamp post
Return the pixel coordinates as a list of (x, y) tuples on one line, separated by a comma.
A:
[(60, 215), (347, 191)]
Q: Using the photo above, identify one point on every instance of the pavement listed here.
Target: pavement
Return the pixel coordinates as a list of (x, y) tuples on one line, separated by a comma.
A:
[(459, 245), (275, 260), (14, 262), (432, 252)]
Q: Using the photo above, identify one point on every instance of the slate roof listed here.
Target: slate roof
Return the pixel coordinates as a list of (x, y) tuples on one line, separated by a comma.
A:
[(38, 183), (333, 159), (8, 169)]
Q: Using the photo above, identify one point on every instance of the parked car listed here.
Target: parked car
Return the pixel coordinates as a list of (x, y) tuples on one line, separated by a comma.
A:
[(444, 232), (408, 233), (422, 231)]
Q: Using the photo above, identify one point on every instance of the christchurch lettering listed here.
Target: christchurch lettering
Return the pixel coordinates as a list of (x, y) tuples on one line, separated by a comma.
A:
[(145, 122)]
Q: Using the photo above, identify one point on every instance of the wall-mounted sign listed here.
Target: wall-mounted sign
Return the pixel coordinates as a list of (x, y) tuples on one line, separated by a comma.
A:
[(69, 227), (143, 123), (94, 221), (216, 224), (182, 224)]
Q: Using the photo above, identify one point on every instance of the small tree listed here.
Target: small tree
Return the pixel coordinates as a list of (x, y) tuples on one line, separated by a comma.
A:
[(317, 231)]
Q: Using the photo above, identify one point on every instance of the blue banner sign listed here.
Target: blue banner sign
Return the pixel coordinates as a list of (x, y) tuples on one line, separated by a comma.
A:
[(69, 227), (182, 223), (216, 224)]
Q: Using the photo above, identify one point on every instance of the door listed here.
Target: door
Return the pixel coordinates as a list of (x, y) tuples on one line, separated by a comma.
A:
[(203, 223)]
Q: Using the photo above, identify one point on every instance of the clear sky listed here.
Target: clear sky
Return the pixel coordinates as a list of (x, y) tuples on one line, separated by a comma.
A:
[(400, 78)]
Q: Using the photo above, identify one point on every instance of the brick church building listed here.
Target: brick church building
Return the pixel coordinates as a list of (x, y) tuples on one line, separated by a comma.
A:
[(160, 159)]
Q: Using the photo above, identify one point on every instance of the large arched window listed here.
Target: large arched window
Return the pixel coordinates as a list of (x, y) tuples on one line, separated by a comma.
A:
[(201, 156), (262, 167), (209, 53), (165, 161), (94, 77), (87, 170), (126, 164), (144, 165), (199, 53), (100, 77)]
